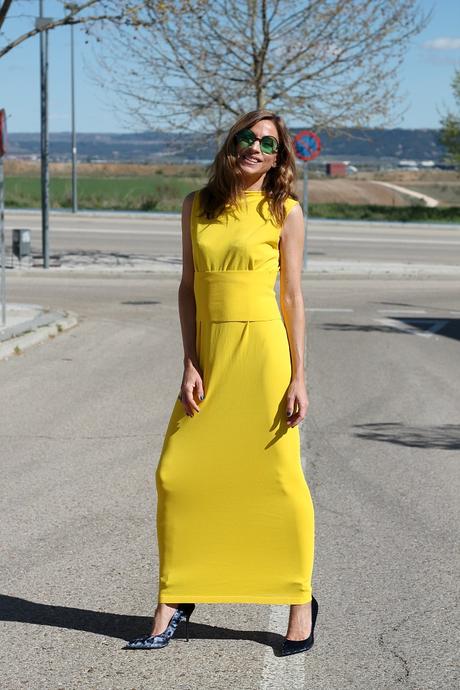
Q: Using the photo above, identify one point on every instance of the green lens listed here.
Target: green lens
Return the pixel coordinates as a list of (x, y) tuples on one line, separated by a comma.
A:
[(246, 138), (268, 144)]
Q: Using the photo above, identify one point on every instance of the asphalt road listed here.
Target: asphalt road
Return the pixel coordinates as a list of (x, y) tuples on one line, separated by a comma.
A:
[(83, 418), (151, 236)]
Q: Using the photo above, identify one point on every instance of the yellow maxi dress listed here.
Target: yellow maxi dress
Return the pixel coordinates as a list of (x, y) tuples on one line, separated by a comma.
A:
[(235, 519)]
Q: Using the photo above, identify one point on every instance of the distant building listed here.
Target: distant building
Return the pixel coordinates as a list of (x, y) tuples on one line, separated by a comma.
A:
[(408, 165), (336, 169)]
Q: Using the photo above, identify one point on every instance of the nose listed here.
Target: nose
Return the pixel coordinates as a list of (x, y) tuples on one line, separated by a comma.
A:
[(255, 144)]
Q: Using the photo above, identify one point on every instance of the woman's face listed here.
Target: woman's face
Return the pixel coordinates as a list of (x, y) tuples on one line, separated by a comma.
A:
[(252, 160)]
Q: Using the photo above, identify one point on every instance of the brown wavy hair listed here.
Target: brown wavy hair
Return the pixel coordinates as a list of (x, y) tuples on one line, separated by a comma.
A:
[(226, 182)]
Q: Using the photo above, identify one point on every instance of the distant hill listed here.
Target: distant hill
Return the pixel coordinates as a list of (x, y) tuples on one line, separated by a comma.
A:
[(357, 145)]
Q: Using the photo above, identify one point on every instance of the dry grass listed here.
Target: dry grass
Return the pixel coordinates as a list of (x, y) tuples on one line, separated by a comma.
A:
[(32, 168), (405, 177)]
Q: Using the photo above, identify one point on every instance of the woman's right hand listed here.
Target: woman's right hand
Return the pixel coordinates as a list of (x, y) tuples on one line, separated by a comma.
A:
[(192, 384)]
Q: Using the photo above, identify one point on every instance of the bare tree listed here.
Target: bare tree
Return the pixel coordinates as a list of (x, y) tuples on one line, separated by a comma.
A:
[(87, 13), (197, 64)]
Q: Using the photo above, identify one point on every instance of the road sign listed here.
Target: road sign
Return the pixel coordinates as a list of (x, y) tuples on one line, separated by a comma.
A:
[(307, 145)]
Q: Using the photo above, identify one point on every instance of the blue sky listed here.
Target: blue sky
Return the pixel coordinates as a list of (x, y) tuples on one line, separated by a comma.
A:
[(425, 79)]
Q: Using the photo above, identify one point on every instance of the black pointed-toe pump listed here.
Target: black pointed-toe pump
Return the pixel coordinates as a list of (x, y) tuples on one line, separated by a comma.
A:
[(294, 646), (182, 613)]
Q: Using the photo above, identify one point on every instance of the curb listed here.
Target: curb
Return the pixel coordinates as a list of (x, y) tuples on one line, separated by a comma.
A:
[(333, 272), (16, 345)]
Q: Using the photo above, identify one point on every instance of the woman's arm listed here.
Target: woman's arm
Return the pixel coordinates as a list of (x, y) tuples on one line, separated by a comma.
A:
[(293, 310), (192, 378)]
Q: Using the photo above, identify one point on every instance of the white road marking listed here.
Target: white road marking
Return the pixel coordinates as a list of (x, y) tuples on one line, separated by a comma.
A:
[(437, 325), (278, 671), (173, 232), (402, 311), (380, 240), (327, 309)]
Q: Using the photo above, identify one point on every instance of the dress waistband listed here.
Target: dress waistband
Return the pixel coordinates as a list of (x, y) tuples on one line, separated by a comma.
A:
[(236, 295)]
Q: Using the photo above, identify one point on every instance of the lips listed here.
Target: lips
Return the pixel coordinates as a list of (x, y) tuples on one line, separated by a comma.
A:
[(252, 160)]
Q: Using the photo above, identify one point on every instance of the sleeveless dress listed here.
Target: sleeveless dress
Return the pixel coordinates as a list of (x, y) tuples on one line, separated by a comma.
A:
[(235, 519)]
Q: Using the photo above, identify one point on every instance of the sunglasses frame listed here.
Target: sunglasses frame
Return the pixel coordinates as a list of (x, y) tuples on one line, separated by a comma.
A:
[(252, 136)]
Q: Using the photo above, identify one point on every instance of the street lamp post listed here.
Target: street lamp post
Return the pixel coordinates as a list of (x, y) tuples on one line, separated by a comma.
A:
[(74, 134), (44, 136)]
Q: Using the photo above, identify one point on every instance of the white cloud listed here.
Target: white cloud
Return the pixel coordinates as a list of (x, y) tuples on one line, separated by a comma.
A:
[(443, 43)]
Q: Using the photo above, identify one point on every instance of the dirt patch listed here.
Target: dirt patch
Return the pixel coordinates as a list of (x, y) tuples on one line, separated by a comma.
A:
[(348, 191), (32, 168)]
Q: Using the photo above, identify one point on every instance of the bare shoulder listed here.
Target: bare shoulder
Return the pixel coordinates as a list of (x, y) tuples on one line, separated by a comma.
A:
[(188, 201), (294, 218)]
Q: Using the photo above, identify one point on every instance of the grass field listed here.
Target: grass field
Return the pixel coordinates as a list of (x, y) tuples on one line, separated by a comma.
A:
[(135, 187), (146, 193)]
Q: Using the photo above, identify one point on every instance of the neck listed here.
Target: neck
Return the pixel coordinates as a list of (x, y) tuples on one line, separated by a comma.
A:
[(253, 183)]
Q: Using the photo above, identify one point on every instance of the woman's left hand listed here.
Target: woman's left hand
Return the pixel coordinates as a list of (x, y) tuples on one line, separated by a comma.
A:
[(296, 403)]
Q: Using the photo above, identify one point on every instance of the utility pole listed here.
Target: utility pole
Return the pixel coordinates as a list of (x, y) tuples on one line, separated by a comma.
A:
[(74, 134), (2, 214), (305, 212), (307, 146), (44, 137)]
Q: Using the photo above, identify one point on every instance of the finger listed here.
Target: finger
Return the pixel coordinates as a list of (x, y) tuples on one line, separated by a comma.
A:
[(290, 407), (300, 415), (190, 404)]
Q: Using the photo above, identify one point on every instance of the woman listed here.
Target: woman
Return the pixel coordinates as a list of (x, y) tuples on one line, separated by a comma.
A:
[(235, 519)]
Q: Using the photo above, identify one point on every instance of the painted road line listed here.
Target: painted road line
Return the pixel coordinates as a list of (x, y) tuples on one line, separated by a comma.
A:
[(175, 231), (402, 311), (436, 326), (381, 240), (282, 671)]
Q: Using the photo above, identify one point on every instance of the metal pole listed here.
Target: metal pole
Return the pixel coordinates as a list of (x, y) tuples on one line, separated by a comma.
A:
[(305, 212), (74, 134), (44, 140), (2, 241)]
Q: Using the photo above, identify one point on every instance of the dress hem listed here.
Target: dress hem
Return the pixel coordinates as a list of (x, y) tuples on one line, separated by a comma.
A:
[(234, 599)]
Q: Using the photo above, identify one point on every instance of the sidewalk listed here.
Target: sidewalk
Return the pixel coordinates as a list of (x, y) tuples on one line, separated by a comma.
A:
[(30, 324), (110, 262)]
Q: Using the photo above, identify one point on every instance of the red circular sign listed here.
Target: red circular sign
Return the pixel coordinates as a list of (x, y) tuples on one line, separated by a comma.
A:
[(307, 145)]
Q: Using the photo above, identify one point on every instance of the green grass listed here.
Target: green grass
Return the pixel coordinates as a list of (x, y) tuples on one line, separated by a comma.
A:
[(155, 193), (159, 192), (414, 213)]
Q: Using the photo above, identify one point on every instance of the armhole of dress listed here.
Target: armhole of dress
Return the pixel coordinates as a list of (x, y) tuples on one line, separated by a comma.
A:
[(194, 210), (292, 204), (289, 204), (193, 225)]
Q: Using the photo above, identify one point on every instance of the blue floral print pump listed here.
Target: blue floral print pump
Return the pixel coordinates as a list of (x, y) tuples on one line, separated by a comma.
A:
[(182, 613)]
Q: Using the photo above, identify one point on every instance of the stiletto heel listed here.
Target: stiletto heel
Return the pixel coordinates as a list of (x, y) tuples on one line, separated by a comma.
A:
[(294, 646), (186, 628), (182, 613)]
